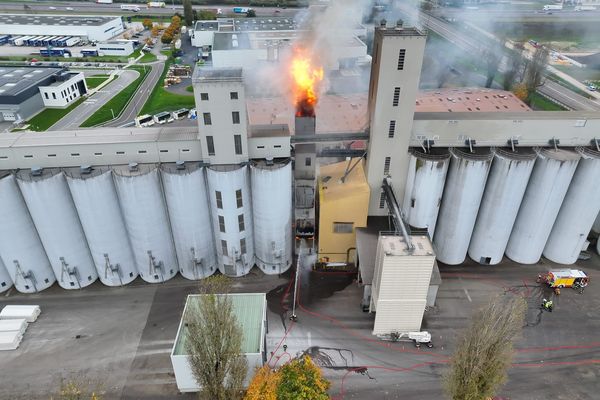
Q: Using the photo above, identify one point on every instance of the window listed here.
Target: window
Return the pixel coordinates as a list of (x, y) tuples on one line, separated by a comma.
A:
[(241, 224), (164, 151), (396, 97), (28, 156), (120, 152), (74, 154), (343, 227), (210, 145), (46, 94), (141, 151), (386, 165), (237, 141), (224, 247), (204, 96), (381, 200), (401, 59), (221, 224), (51, 155), (233, 95), (207, 120), (54, 96), (219, 200), (238, 198), (235, 117), (392, 129), (307, 162), (242, 246), (97, 154)]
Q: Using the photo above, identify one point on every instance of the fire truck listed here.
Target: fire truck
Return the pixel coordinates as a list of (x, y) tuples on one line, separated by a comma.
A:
[(562, 278)]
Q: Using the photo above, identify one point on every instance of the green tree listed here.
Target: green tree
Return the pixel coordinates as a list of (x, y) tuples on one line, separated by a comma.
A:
[(206, 15), (147, 23), (214, 342), (484, 351), (188, 12), (251, 13), (302, 379)]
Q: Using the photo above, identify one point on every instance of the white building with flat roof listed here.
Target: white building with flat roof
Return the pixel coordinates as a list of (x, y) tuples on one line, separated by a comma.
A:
[(117, 48), (67, 87)]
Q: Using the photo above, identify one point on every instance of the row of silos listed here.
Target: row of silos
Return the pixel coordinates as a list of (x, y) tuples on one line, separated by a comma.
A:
[(498, 201), (78, 224)]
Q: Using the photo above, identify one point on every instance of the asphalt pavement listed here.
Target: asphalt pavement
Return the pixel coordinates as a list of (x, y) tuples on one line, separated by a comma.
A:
[(82, 112)]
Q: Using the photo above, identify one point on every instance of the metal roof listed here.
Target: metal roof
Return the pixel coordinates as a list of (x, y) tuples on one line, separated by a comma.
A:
[(54, 20), (249, 310), (15, 80)]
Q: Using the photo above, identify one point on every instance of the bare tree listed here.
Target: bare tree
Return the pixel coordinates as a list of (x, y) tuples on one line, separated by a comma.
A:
[(536, 68), (484, 351), (492, 56), (214, 342), (514, 66)]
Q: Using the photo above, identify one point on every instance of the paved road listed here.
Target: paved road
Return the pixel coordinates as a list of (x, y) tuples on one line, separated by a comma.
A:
[(93, 8), (75, 118), (562, 94), (141, 95), (515, 15)]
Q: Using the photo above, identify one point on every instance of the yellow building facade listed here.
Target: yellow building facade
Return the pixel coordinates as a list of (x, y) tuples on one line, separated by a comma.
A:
[(343, 205)]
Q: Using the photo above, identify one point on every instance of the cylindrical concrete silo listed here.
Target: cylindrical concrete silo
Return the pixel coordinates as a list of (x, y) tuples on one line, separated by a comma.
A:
[(20, 245), (5, 281), (95, 198), (272, 213), (424, 187), (142, 203), (187, 203), (576, 215), (545, 192), (49, 201), (231, 205), (462, 195), (503, 194)]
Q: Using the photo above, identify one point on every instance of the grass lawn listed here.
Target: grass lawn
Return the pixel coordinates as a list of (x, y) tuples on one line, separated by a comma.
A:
[(95, 80), (163, 100), (50, 116), (540, 103), (118, 103), (190, 89)]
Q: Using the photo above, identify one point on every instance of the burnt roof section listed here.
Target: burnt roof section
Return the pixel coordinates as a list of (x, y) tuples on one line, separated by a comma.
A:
[(54, 20)]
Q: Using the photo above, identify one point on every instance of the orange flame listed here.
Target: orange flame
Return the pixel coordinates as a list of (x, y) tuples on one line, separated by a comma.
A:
[(306, 78)]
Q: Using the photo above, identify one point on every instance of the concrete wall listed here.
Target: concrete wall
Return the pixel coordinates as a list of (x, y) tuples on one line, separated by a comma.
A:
[(265, 147)]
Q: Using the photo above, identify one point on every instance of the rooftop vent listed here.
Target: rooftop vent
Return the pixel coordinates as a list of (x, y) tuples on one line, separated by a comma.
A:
[(133, 166), (36, 171), (399, 23), (383, 23), (85, 169), (180, 165)]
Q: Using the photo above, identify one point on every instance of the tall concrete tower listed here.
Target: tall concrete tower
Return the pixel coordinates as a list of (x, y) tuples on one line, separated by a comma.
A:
[(395, 73), (222, 119)]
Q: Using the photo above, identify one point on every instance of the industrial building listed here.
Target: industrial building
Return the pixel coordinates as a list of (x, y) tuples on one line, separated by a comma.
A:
[(242, 42), (483, 177), (116, 48), (24, 91), (94, 28)]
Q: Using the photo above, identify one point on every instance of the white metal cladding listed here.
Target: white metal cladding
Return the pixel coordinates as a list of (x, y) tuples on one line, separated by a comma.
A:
[(462, 196), (503, 194), (272, 212), (98, 207), (226, 180), (51, 207), (545, 192), (576, 215), (20, 246), (141, 198), (5, 281), (424, 187), (187, 203)]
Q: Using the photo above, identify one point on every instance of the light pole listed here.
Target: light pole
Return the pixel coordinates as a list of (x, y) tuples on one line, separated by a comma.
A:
[(113, 113)]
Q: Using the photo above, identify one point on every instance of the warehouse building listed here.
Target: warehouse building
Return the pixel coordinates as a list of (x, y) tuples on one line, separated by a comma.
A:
[(94, 28), (24, 91), (116, 48)]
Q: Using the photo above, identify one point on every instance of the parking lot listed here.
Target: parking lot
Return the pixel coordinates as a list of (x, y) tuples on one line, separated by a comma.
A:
[(120, 338)]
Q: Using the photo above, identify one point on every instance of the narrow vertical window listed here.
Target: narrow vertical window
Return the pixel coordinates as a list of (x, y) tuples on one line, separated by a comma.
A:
[(237, 141), (238, 198), (382, 200), (401, 56), (235, 117), (243, 246), (392, 129), (221, 223), (241, 225), (386, 165), (219, 200), (224, 247), (210, 145), (396, 97), (207, 119)]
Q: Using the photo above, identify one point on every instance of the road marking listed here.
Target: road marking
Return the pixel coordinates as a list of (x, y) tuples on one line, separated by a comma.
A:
[(467, 293)]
